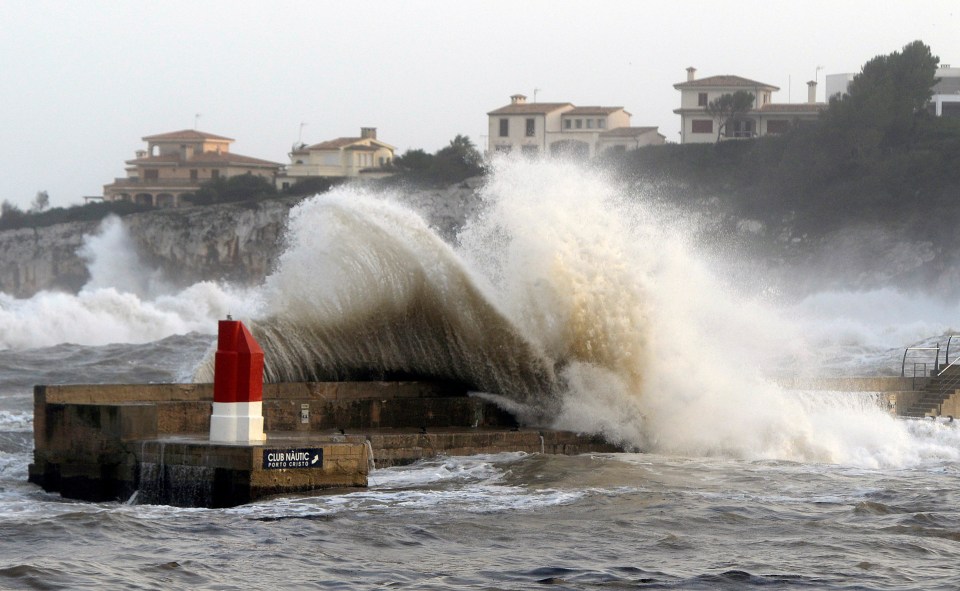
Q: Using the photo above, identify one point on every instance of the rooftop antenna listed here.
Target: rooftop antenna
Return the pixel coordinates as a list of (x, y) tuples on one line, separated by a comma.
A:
[(300, 137), (535, 91), (196, 119)]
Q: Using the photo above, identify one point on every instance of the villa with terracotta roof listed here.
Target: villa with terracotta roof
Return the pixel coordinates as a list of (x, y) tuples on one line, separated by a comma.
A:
[(561, 128), (175, 164), (363, 156), (766, 117)]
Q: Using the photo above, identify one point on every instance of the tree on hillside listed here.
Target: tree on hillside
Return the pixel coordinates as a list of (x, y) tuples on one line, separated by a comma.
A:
[(728, 107), (243, 187), (414, 160), (40, 202), (11, 216), (453, 163), (884, 101), (457, 161)]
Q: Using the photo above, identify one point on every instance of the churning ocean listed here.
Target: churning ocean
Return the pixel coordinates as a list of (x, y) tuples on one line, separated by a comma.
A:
[(592, 309)]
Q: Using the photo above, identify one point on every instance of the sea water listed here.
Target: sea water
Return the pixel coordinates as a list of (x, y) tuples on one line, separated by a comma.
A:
[(586, 309)]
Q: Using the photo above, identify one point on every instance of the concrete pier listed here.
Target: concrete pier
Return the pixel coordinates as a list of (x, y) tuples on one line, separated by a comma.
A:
[(151, 443)]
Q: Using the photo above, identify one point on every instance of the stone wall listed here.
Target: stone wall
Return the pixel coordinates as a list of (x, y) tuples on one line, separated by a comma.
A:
[(111, 442)]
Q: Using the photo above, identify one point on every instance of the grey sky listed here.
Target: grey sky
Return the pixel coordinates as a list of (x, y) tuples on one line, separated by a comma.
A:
[(83, 81)]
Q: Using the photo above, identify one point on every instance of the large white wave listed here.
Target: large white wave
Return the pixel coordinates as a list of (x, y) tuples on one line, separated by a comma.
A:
[(565, 293)]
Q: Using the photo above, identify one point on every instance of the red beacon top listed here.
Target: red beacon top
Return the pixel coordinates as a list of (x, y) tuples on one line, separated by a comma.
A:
[(238, 365)]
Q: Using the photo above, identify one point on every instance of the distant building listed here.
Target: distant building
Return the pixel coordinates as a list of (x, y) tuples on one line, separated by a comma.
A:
[(945, 101), (837, 84), (766, 117), (363, 156), (175, 164), (562, 128)]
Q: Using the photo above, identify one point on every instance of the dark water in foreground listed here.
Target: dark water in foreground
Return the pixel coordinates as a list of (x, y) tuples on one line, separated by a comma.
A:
[(510, 521)]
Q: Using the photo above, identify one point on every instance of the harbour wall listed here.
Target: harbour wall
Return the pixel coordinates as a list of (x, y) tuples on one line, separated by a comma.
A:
[(151, 441)]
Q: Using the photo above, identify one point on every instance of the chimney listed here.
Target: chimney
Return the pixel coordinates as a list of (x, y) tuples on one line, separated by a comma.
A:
[(518, 99), (811, 92), (368, 133), (691, 74)]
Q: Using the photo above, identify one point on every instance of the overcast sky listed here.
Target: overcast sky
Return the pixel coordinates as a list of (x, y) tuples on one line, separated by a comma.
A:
[(82, 81)]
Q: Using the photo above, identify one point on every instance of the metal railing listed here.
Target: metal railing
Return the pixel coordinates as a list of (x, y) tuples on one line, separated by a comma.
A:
[(947, 382), (936, 363), (944, 379), (946, 358)]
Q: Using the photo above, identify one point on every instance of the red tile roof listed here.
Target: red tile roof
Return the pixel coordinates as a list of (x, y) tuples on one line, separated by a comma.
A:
[(529, 108), (201, 158), (185, 134), (345, 142), (723, 80), (336, 144)]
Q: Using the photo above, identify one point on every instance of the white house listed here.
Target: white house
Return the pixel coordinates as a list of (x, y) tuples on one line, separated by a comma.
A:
[(765, 116), (945, 101), (562, 128), (341, 157), (176, 164)]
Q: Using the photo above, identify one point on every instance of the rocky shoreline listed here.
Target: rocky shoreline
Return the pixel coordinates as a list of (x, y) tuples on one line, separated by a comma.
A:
[(236, 243)]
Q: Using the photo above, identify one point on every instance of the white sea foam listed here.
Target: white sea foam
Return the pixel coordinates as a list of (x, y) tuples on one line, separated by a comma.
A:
[(123, 302)]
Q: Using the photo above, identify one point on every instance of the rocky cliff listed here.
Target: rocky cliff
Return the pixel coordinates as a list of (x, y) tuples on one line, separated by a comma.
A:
[(237, 243)]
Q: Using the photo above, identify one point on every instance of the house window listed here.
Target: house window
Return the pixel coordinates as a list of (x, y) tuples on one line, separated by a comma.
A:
[(579, 124), (193, 174), (778, 126), (702, 99), (504, 127), (589, 123), (531, 128), (151, 174), (214, 174), (567, 123), (602, 123), (503, 149), (703, 126), (529, 151), (740, 128)]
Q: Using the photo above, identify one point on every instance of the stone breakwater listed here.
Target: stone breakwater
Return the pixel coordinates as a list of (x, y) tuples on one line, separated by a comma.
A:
[(236, 243)]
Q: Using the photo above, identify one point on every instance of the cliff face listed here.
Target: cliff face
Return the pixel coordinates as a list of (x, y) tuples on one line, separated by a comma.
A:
[(235, 243), (238, 243), (36, 259)]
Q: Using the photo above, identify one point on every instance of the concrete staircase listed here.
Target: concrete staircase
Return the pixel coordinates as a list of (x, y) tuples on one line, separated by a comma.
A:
[(937, 391)]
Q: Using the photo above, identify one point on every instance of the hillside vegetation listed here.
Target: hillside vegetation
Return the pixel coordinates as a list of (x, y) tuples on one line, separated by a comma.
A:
[(874, 156)]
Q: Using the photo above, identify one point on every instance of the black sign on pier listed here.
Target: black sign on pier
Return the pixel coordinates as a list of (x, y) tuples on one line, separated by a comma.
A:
[(307, 457)]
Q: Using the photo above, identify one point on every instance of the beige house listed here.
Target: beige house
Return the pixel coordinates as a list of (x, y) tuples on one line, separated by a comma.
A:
[(766, 117), (562, 128), (175, 164), (364, 156)]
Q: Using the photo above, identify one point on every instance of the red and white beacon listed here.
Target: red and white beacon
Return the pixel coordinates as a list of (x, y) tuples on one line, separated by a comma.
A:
[(237, 386)]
